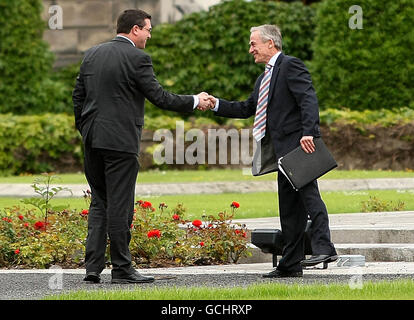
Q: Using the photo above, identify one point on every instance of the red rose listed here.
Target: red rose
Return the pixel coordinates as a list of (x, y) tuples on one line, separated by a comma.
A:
[(154, 233), (237, 231), (21, 217), (202, 243), (197, 223), (17, 251), (39, 225), (176, 217), (7, 219), (85, 212), (26, 225), (235, 204)]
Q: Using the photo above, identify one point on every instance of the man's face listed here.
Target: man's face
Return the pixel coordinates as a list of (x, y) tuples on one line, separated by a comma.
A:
[(261, 50), (142, 35)]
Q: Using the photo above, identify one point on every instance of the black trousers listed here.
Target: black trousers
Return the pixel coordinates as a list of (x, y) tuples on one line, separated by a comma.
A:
[(112, 177), (294, 209)]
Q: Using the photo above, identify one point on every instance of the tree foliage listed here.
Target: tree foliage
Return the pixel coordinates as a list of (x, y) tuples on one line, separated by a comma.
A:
[(25, 60), (208, 51), (368, 68)]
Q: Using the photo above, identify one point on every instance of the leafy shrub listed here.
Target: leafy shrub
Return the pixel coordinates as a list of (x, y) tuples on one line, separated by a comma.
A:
[(26, 240), (373, 204), (38, 143), (367, 68), (25, 61), (160, 238)]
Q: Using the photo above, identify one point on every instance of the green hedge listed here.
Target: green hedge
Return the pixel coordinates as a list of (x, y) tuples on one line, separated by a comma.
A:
[(37, 143), (50, 142), (26, 84), (209, 51), (368, 68)]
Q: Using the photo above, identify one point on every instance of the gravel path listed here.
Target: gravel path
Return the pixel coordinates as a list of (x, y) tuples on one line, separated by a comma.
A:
[(30, 286)]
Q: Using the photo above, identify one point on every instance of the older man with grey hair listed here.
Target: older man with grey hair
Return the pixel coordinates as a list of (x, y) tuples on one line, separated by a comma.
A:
[(286, 112)]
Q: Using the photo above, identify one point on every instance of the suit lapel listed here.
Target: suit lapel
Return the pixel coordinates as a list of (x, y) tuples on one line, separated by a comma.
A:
[(275, 73)]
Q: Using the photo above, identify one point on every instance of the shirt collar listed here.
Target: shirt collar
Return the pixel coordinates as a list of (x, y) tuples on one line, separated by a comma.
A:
[(273, 59), (126, 38)]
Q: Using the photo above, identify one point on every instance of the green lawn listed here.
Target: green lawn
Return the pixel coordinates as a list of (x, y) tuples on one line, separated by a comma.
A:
[(394, 290), (252, 205), (172, 176)]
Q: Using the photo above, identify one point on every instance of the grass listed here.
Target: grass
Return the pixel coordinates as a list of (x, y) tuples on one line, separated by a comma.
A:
[(174, 176), (385, 290), (252, 205)]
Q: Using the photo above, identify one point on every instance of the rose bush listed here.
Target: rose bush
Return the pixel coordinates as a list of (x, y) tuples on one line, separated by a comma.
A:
[(160, 238), (30, 239)]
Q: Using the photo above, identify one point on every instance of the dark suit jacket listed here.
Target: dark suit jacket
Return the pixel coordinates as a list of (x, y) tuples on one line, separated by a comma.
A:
[(114, 80), (292, 110)]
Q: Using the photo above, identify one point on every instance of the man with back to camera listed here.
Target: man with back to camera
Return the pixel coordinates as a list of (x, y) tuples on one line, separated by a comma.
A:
[(286, 113), (114, 80)]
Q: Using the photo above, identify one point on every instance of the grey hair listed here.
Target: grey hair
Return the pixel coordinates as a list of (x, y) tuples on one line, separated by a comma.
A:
[(270, 32)]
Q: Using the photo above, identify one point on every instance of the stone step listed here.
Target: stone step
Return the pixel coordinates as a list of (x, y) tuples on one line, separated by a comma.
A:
[(372, 236), (373, 252), (360, 235)]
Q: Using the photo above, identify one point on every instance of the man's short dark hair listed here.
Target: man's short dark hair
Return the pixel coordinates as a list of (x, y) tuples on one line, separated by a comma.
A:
[(130, 18)]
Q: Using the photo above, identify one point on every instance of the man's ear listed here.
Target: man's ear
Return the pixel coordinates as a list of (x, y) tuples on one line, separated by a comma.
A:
[(134, 30)]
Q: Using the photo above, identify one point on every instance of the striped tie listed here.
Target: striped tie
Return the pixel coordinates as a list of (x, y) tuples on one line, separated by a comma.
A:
[(259, 127)]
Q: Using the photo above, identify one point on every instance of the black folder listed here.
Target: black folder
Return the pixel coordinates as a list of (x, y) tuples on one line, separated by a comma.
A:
[(301, 168)]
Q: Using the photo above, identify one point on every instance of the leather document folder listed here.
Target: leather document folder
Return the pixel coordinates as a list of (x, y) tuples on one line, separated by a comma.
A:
[(301, 168)]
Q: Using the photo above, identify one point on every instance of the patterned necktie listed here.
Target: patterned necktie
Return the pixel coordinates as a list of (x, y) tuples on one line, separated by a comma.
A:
[(259, 127)]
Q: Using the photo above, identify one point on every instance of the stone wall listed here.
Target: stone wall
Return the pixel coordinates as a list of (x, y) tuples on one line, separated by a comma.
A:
[(89, 22)]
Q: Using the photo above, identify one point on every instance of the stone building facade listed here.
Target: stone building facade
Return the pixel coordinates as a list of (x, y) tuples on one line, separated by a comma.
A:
[(73, 26)]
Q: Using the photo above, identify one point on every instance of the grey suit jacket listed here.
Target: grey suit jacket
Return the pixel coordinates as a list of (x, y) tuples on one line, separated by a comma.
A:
[(109, 95)]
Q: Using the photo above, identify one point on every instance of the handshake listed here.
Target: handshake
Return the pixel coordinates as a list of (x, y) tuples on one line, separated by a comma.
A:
[(206, 102)]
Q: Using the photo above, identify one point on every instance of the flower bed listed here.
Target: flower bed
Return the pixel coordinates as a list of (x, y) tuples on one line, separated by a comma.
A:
[(44, 236)]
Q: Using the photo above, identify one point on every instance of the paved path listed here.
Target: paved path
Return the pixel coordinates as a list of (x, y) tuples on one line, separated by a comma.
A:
[(25, 190), (36, 284)]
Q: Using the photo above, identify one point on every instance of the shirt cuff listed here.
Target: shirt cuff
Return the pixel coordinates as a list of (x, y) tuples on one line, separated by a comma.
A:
[(217, 105), (196, 101)]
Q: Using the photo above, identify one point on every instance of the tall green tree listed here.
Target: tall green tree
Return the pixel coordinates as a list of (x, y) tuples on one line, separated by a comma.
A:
[(363, 57), (25, 61)]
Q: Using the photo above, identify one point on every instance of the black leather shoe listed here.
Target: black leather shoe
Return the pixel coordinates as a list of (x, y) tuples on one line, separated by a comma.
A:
[(92, 277), (133, 278), (283, 274), (322, 258)]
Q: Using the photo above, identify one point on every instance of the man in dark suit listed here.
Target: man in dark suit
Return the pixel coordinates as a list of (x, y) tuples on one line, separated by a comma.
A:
[(114, 80), (286, 115)]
